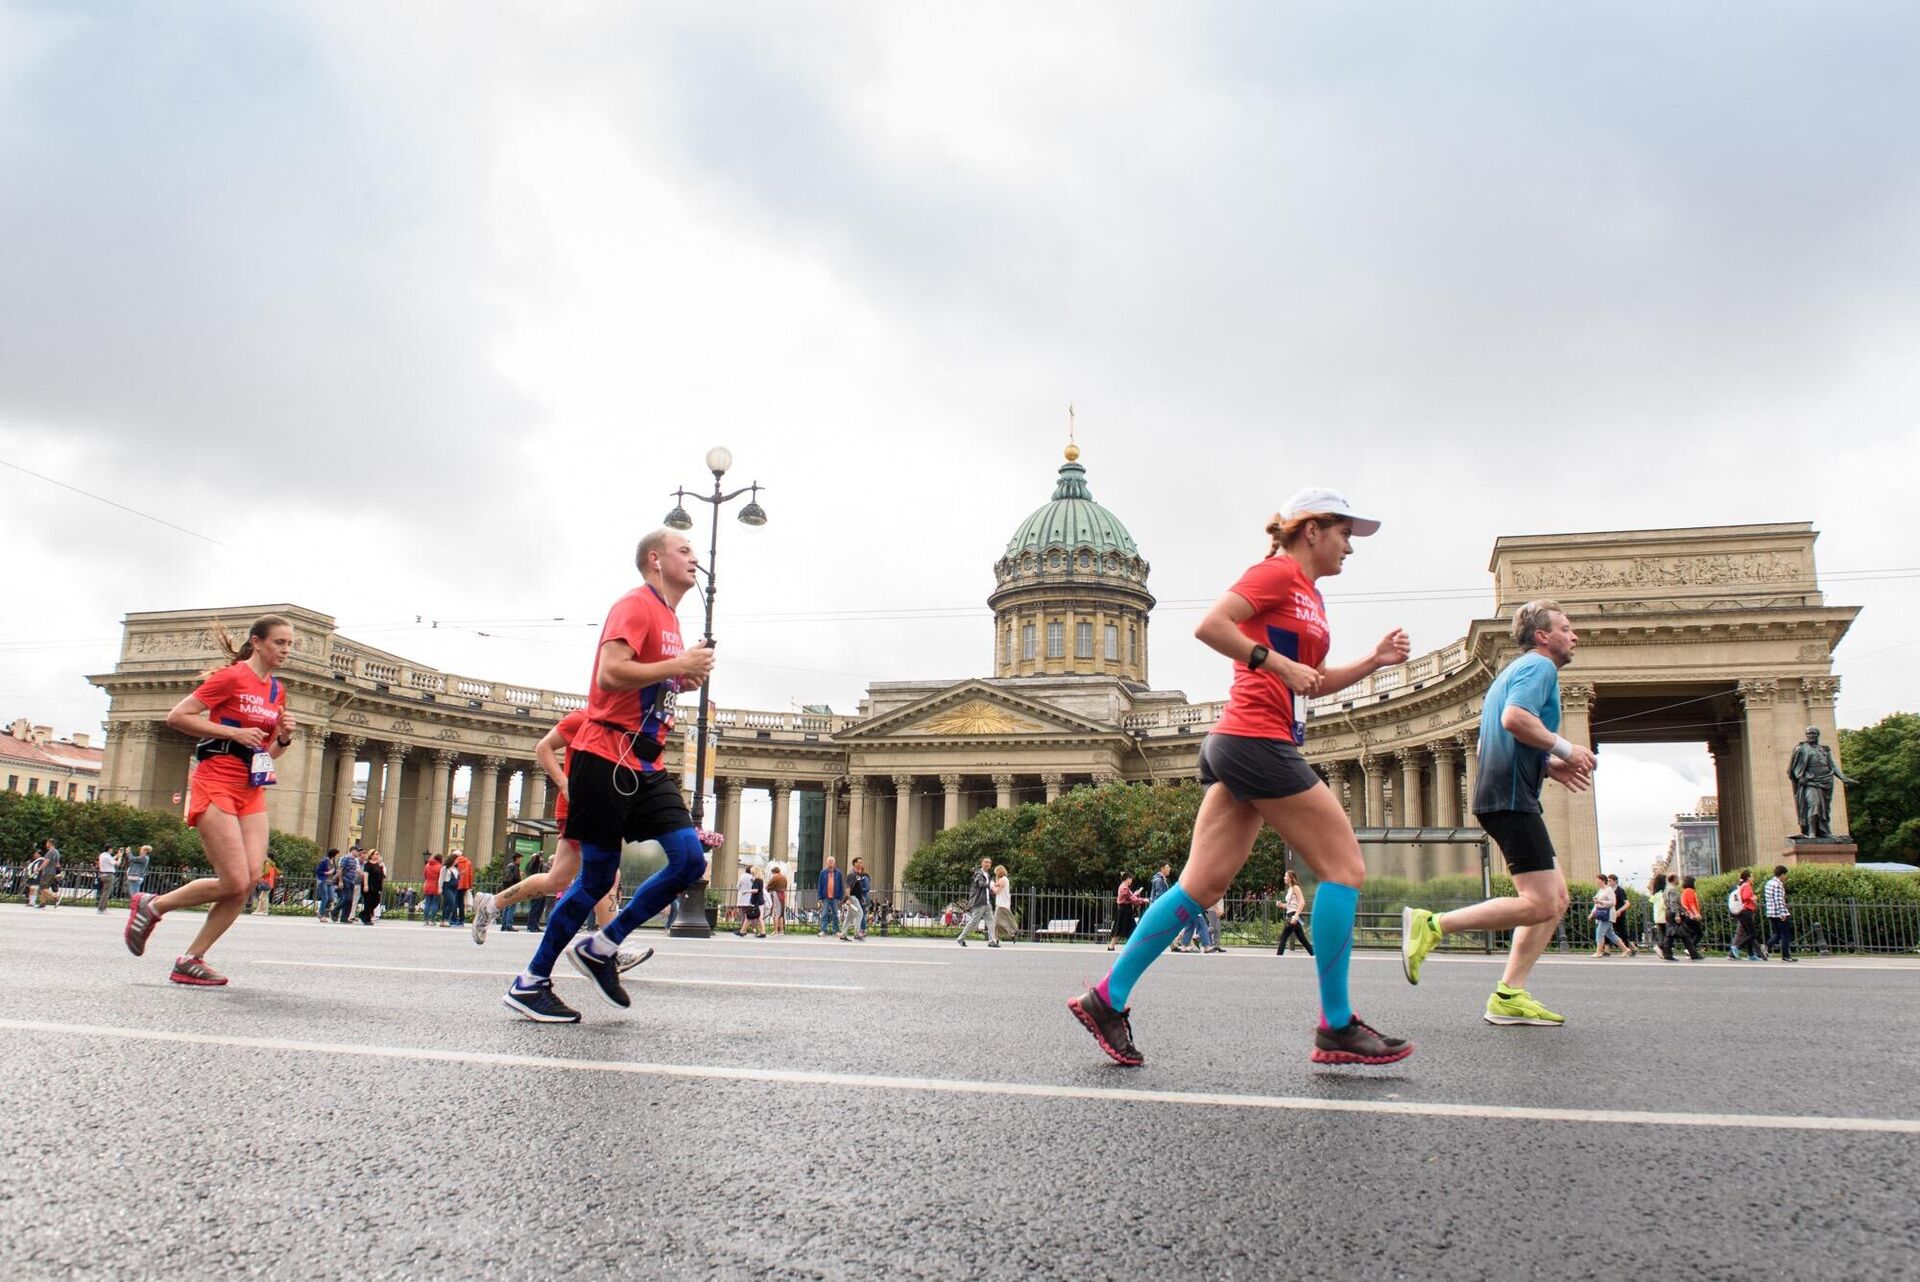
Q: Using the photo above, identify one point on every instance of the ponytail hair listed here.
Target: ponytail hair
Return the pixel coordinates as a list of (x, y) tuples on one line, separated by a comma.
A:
[(1283, 529), (263, 625)]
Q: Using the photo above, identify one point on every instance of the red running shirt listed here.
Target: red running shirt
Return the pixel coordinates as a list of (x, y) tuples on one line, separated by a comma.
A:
[(643, 621), (235, 697), (1290, 618)]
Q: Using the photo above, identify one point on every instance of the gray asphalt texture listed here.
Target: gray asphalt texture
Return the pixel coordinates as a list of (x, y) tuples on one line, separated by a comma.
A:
[(129, 1158)]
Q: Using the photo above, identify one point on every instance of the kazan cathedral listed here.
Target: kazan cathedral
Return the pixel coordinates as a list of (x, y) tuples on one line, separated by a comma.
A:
[(1711, 633)]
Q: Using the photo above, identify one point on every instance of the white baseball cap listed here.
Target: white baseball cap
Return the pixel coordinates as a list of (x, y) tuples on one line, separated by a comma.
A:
[(1331, 502)]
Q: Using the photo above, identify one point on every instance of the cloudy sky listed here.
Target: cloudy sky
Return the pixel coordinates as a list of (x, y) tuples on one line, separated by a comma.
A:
[(420, 311)]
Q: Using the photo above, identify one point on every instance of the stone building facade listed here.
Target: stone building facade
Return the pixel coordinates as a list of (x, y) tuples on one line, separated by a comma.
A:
[(1715, 634)]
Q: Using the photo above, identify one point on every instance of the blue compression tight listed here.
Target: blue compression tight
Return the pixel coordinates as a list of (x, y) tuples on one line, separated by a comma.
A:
[(1333, 910), (1165, 917), (686, 864)]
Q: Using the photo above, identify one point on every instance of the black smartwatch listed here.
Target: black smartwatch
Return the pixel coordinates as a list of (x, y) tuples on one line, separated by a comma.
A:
[(1257, 658), (284, 743)]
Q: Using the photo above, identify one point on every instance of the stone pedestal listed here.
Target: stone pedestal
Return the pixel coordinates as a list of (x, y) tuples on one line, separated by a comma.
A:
[(1819, 850)]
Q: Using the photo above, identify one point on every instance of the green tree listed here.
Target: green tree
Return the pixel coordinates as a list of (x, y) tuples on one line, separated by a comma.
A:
[(1088, 840), (1883, 807)]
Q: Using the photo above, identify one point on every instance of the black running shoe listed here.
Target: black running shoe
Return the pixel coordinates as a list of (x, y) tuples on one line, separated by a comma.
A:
[(1109, 1027), (539, 1004), (1358, 1043), (604, 972)]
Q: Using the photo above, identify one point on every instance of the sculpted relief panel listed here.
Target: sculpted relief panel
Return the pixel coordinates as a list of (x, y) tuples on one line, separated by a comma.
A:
[(1661, 572)]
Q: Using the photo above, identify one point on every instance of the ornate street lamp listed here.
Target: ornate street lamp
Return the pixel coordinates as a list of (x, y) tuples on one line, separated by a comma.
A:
[(690, 914)]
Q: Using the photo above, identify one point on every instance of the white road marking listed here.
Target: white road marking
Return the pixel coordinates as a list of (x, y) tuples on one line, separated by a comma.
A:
[(630, 978), (1017, 1090)]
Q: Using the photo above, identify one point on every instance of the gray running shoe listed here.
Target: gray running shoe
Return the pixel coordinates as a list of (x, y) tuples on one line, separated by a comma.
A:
[(482, 917), (627, 958)]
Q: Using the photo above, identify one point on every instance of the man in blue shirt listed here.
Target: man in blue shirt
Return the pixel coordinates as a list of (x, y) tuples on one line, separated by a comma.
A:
[(1520, 748)]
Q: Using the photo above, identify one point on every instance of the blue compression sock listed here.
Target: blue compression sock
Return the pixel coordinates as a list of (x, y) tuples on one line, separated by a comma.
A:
[(598, 868), (686, 864), (1333, 910), (1165, 917)]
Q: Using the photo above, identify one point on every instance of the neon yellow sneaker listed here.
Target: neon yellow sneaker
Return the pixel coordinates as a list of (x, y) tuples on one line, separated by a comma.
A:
[(1516, 1006), (1419, 935)]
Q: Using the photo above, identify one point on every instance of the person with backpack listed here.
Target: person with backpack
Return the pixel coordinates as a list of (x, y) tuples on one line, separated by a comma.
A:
[(1741, 908), (859, 888), (351, 878)]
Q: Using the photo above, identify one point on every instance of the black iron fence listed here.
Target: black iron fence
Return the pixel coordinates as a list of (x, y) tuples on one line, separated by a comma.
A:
[(1040, 915)]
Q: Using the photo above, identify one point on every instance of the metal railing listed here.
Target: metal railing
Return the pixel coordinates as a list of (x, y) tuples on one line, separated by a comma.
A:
[(1087, 916)]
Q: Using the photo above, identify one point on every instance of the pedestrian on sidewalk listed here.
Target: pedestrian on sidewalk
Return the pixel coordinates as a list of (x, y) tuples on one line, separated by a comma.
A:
[(776, 904), (1778, 914), (430, 877), (323, 875), (1601, 915), (832, 889), (1742, 907), (859, 887), (1296, 907), (103, 879), (137, 864), (980, 904), (350, 879), (1127, 903), (1003, 923), (1690, 919), (373, 875)]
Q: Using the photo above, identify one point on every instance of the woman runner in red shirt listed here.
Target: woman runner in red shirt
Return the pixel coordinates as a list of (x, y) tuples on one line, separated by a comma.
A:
[(239, 717), (1272, 624)]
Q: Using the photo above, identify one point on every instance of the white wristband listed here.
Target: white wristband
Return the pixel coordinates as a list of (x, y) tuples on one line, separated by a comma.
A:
[(1561, 748)]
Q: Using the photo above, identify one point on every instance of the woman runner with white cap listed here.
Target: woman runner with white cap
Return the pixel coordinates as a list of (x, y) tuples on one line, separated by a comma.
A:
[(1272, 624)]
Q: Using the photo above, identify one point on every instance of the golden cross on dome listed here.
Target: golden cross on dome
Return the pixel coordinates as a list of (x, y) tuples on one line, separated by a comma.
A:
[(1073, 450)]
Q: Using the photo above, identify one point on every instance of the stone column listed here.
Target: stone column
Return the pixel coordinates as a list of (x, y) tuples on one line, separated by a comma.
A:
[(1767, 807), (314, 739), (533, 794), (482, 840), (1446, 785), (396, 754), (1446, 807), (1820, 693), (829, 823), (950, 784), (1376, 772), (373, 804), (1336, 772), (1581, 857), (777, 835), (1407, 794), (857, 820), (1052, 783), (1469, 744), (439, 800), (730, 815), (1003, 792), (902, 832), (343, 791), (503, 805)]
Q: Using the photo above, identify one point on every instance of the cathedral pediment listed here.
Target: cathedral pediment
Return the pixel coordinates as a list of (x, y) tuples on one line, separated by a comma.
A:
[(975, 710)]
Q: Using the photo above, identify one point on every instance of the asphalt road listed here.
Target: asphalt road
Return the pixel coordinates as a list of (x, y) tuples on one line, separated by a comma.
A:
[(358, 1104)]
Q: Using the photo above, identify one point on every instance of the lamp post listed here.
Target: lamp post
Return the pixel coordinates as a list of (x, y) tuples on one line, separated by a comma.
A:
[(690, 915)]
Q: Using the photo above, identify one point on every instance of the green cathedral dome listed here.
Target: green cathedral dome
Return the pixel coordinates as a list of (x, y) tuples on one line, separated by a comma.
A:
[(1072, 520)]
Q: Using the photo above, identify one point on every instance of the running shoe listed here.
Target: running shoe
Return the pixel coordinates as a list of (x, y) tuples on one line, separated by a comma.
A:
[(141, 919), (1109, 1027), (1517, 1006), (192, 970), (1419, 935), (604, 972), (539, 1003), (627, 958), (1357, 1043), (482, 917)]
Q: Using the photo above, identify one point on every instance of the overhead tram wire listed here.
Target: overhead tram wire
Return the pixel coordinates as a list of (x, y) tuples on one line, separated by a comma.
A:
[(101, 498)]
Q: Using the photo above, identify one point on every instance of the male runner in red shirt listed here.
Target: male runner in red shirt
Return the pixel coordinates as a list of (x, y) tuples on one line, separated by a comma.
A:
[(616, 788)]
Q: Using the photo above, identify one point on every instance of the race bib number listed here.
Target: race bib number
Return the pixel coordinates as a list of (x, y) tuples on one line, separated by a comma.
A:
[(261, 774)]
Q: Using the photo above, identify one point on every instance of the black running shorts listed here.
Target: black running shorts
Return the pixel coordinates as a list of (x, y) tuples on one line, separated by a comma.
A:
[(609, 804), (1254, 769), (1522, 838)]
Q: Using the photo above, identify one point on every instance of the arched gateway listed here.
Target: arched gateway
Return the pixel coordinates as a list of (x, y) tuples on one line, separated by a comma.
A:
[(1716, 634)]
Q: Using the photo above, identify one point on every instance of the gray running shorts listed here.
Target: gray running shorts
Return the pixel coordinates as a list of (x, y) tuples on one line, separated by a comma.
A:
[(1254, 769)]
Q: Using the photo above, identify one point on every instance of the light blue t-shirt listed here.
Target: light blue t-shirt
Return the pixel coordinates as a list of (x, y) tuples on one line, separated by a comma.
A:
[(1510, 772)]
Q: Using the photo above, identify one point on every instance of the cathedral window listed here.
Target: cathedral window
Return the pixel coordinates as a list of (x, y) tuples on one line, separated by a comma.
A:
[(1056, 640), (1026, 641), (1083, 640), (1113, 643)]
